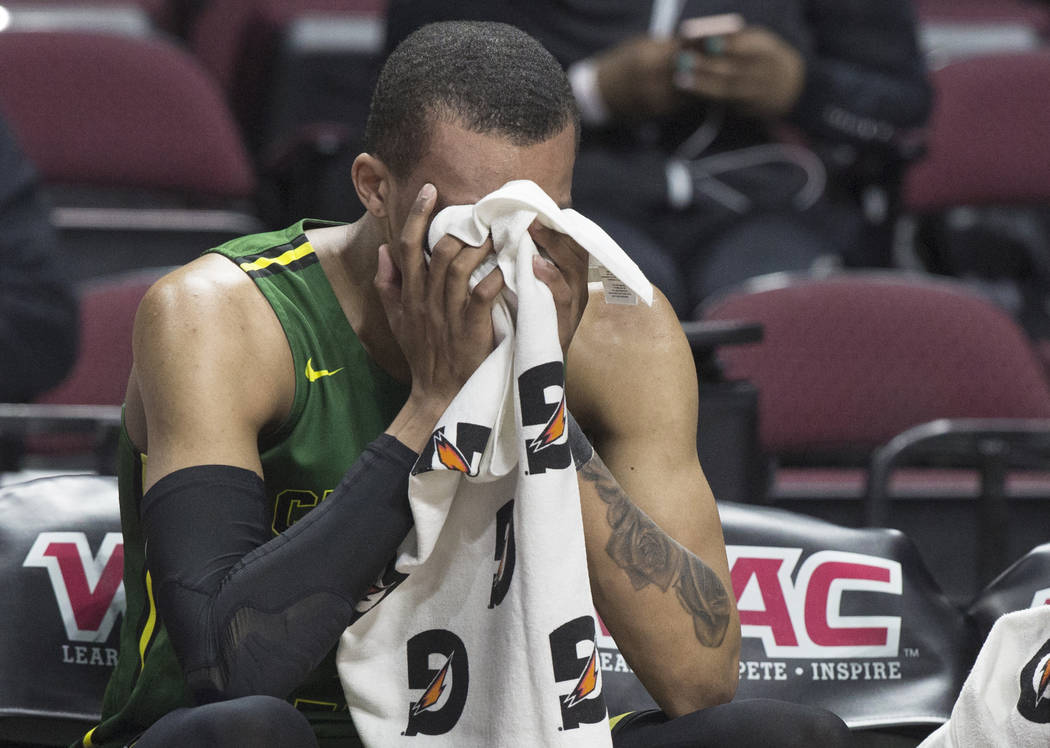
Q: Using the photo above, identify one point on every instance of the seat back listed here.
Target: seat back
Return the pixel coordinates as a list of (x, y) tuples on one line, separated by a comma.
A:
[(75, 437), (1026, 584), (107, 316), (845, 619), (239, 41), (135, 145), (986, 142), (852, 359), (61, 566)]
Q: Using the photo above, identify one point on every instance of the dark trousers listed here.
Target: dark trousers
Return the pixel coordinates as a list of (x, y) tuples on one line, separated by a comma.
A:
[(262, 720)]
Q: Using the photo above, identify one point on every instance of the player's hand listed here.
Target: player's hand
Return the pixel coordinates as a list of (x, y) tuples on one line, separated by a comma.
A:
[(443, 327), (757, 72), (562, 266), (635, 77)]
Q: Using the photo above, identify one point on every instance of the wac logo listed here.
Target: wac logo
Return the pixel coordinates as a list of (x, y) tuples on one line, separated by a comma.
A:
[(505, 554), (461, 453), (575, 658), (437, 665), (89, 589), (803, 618), (1041, 597), (541, 392), (378, 590), (1034, 701)]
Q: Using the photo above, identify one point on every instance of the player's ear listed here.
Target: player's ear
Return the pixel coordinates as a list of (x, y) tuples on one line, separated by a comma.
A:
[(372, 181)]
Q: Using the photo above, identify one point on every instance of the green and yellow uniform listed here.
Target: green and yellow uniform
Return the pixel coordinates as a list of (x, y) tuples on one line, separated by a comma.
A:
[(343, 400)]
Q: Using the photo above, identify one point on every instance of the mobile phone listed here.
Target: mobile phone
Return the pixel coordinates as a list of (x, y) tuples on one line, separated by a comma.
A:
[(707, 32)]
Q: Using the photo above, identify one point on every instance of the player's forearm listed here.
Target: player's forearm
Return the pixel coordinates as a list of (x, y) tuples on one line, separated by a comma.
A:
[(672, 616), (248, 615)]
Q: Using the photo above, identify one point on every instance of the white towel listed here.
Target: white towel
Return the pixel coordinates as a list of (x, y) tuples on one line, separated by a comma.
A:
[(490, 639), (1005, 701)]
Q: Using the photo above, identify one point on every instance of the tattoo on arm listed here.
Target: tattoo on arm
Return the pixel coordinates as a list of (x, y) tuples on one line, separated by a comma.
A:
[(649, 556)]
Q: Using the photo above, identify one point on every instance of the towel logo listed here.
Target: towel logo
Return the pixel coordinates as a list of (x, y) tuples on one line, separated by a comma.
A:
[(378, 590), (1034, 702), (437, 664), (505, 554), (541, 392), (461, 453), (584, 701)]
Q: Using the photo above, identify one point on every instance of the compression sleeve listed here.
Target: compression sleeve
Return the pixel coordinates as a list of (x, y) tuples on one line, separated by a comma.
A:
[(252, 614)]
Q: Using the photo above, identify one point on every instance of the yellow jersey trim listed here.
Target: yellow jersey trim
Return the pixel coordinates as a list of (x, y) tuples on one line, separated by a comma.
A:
[(286, 258), (151, 622)]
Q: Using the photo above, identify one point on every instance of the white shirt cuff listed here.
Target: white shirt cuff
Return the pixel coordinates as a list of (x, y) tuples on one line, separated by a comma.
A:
[(583, 77)]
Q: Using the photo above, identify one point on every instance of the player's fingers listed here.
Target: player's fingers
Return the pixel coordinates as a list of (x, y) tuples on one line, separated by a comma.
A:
[(409, 246), (442, 256), (457, 284), (565, 252), (548, 272), (484, 295)]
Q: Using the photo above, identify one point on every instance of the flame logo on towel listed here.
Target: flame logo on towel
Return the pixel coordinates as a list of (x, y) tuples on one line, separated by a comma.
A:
[(449, 455), (1034, 702), (553, 431), (587, 685), (433, 692), (1044, 681)]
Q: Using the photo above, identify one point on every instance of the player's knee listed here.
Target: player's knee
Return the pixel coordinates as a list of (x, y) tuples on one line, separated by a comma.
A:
[(805, 726), (249, 722)]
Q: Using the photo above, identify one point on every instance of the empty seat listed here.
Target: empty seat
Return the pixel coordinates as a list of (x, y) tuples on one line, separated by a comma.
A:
[(850, 361), (987, 135), (135, 145)]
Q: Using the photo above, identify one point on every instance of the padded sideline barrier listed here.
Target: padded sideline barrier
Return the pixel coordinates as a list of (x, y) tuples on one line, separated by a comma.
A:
[(1025, 584), (61, 562), (846, 619)]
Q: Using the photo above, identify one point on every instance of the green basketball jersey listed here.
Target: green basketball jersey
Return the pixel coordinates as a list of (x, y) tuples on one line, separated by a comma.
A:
[(343, 400)]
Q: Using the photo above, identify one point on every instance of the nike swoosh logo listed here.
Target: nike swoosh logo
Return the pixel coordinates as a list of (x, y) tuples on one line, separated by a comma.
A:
[(312, 375)]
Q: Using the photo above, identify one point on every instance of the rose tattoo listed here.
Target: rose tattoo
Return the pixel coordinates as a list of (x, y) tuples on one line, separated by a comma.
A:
[(649, 556)]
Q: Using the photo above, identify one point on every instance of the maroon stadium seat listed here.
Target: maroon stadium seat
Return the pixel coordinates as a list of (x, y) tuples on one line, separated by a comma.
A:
[(75, 424), (134, 143), (986, 12), (299, 75), (987, 135), (850, 361), (238, 41)]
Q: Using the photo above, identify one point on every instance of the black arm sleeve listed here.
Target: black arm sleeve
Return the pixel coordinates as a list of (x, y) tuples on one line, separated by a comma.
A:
[(251, 614)]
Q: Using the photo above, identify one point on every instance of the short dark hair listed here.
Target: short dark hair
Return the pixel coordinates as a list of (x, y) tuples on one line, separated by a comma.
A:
[(492, 78)]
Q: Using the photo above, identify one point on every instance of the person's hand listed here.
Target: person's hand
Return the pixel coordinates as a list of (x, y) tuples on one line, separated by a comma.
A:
[(757, 72), (562, 266), (443, 327), (635, 77)]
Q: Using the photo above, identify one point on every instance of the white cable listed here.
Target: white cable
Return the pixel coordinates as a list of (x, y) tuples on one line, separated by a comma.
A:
[(816, 175)]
